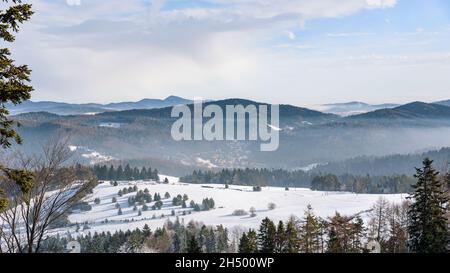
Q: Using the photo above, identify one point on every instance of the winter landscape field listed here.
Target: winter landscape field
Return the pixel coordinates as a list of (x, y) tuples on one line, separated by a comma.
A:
[(292, 202)]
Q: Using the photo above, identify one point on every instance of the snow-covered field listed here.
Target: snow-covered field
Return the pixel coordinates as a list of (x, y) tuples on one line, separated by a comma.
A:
[(292, 202)]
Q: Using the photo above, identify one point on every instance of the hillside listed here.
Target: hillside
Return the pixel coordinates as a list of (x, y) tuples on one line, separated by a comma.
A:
[(414, 110)]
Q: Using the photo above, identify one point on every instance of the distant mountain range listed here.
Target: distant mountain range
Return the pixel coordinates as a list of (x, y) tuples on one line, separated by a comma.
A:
[(61, 108), (354, 108), (306, 136)]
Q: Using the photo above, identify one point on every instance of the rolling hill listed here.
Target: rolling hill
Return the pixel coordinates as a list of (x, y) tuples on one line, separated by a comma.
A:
[(414, 110)]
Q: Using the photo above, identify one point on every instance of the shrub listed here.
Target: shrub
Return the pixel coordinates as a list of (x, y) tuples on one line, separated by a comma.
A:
[(239, 212)]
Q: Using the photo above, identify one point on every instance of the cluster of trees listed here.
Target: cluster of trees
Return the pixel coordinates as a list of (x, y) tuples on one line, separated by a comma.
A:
[(363, 184), (207, 204), (420, 225), (124, 173), (250, 177), (174, 237), (180, 200), (316, 181)]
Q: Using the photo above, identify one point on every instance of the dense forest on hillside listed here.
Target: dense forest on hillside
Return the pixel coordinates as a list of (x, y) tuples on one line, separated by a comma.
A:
[(386, 165), (104, 172), (322, 182)]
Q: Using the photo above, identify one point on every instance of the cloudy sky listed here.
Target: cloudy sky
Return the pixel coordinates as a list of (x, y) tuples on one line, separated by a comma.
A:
[(300, 52)]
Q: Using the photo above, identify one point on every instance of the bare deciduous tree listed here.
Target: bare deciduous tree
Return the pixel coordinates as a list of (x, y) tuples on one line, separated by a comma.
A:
[(40, 193)]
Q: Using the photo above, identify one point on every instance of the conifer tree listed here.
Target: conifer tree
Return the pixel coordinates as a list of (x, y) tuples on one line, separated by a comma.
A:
[(292, 241), (14, 80), (334, 244), (428, 226), (14, 88), (248, 242), (280, 239), (309, 232), (267, 236), (243, 244), (193, 246)]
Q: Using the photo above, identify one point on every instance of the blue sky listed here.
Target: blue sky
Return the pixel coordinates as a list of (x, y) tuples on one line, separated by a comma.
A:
[(304, 52)]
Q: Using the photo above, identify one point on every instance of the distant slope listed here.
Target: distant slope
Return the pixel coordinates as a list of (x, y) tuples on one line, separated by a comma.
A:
[(386, 165), (354, 107), (286, 111), (443, 102), (412, 110), (61, 108)]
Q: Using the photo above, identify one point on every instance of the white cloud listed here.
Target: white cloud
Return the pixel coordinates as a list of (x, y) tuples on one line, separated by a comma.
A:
[(349, 34), (291, 35), (111, 50), (73, 2)]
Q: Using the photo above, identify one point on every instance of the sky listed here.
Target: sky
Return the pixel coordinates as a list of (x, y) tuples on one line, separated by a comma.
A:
[(301, 52)]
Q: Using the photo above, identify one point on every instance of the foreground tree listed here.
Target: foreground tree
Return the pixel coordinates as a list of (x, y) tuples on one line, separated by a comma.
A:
[(310, 232), (428, 226), (14, 80), (248, 242), (194, 246), (14, 86), (267, 236), (39, 196)]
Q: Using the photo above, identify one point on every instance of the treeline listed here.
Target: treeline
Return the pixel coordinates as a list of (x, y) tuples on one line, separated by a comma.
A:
[(386, 165), (120, 173), (251, 177), (174, 237), (363, 184), (321, 182)]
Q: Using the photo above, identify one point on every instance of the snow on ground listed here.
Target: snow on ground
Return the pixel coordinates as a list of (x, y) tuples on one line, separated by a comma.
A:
[(292, 202)]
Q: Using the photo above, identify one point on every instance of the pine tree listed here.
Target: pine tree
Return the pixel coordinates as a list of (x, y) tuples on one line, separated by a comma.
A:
[(243, 244), (14, 89), (292, 241), (146, 231), (248, 242), (267, 236), (222, 239), (252, 241), (193, 246), (280, 238), (334, 244), (210, 241), (14, 80), (428, 226), (309, 232), (358, 234)]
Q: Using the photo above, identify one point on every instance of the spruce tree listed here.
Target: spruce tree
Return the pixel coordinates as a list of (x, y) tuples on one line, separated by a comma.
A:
[(334, 244), (243, 244), (280, 239), (193, 246), (14, 80), (267, 236), (14, 89), (248, 242), (309, 232), (428, 226), (292, 241), (252, 241)]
